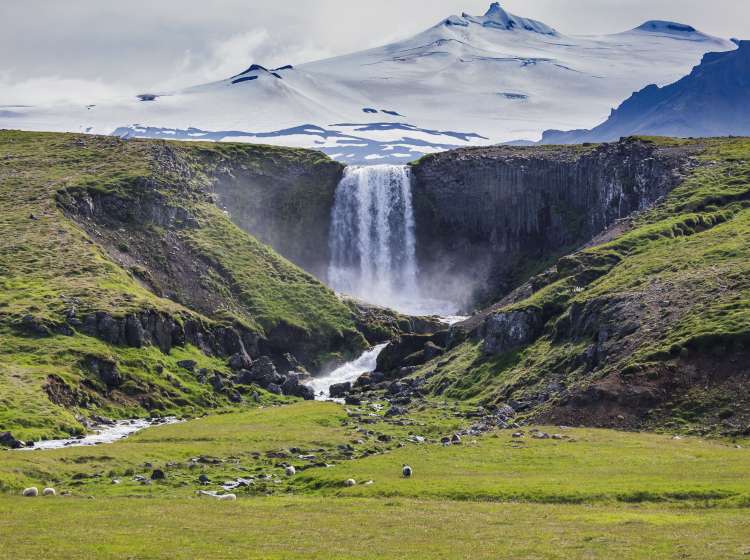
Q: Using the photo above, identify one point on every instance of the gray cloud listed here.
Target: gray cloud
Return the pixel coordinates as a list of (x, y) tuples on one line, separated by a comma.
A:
[(52, 50)]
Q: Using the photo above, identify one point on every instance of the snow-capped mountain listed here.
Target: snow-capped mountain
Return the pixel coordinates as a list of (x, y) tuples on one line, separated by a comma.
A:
[(713, 100), (467, 80)]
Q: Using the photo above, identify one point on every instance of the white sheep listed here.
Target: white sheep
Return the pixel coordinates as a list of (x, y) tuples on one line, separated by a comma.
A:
[(32, 492), (350, 482), (48, 492), (406, 471), (290, 471), (215, 496)]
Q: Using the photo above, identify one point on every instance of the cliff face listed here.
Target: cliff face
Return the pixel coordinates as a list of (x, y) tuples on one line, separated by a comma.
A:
[(488, 217), (646, 325), (283, 197)]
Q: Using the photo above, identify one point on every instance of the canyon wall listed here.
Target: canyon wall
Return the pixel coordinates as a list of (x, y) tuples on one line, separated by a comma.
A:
[(487, 218), (283, 199)]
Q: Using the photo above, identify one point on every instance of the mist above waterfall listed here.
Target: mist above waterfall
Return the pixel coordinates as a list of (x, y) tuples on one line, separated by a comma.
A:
[(372, 241)]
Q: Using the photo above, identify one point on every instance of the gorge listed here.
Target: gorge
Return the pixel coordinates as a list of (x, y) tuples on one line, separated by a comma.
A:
[(452, 231), (178, 308)]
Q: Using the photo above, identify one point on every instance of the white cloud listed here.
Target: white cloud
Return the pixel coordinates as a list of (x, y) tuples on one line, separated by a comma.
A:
[(54, 90), (224, 58)]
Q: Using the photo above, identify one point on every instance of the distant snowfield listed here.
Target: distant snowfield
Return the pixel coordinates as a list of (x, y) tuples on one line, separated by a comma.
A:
[(466, 81)]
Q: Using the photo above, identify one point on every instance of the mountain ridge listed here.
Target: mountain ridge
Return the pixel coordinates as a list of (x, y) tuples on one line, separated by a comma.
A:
[(491, 78), (712, 100)]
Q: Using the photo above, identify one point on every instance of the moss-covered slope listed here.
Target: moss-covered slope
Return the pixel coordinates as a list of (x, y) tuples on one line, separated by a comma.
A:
[(115, 265), (648, 325)]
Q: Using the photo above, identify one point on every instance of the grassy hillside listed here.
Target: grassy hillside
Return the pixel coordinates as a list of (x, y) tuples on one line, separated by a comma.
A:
[(98, 227), (648, 325)]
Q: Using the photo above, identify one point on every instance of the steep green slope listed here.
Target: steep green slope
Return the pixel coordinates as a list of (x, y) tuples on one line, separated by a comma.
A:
[(115, 265), (649, 325)]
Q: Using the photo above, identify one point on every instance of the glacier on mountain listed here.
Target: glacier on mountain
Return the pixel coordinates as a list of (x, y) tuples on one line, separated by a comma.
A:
[(468, 80)]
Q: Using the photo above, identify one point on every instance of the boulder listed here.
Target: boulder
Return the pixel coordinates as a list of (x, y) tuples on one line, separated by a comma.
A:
[(339, 390), (217, 382), (158, 474), (239, 361), (274, 388), (290, 385), (7, 440), (510, 330), (263, 373), (306, 392), (294, 388), (397, 387), (105, 369), (395, 411), (188, 365)]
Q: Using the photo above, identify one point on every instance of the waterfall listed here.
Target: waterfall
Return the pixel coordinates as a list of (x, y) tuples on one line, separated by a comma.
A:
[(372, 242), (372, 236)]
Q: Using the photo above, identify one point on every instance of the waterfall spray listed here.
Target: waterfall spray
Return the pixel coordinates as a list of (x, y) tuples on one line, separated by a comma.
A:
[(372, 236), (372, 241)]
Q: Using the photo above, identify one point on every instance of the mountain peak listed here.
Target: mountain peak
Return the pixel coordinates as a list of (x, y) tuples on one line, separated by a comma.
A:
[(661, 26), (497, 18), (495, 10)]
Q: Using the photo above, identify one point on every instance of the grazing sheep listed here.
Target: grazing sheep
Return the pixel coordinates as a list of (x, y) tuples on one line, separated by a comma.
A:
[(32, 492), (349, 483), (215, 496), (290, 471), (227, 498), (406, 471), (48, 492)]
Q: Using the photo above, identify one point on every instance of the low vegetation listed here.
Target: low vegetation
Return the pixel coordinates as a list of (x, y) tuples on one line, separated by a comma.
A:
[(97, 225), (592, 493), (661, 304)]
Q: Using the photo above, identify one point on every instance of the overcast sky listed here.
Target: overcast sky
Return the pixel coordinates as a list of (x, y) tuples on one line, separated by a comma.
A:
[(53, 50)]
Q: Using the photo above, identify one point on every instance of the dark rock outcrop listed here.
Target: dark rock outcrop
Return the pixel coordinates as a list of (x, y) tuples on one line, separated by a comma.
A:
[(7, 440), (283, 202), (485, 217), (339, 390), (410, 350), (510, 330), (165, 331), (104, 369)]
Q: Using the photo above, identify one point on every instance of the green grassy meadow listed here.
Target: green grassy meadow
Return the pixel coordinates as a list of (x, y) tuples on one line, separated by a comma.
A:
[(593, 494), (301, 527)]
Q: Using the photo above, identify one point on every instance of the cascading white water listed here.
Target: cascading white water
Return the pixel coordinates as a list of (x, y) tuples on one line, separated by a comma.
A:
[(372, 236), (349, 371), (372, 241)]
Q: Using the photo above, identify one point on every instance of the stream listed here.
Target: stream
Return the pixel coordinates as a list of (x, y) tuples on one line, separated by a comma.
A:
[(104, 433), (367, 362), (109, 433), (349, 371)]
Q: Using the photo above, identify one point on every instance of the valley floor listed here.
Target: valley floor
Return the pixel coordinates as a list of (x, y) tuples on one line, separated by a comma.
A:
[(591, 494), (304, 527)]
